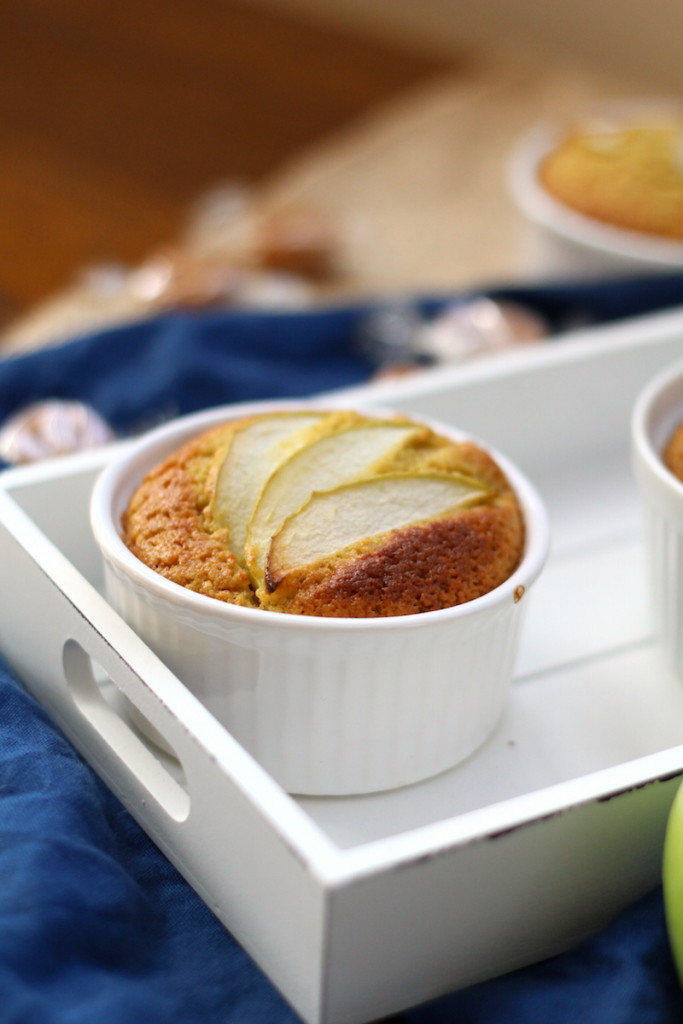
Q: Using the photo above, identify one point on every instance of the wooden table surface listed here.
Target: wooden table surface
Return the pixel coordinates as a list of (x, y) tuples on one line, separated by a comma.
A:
[(116, 117)]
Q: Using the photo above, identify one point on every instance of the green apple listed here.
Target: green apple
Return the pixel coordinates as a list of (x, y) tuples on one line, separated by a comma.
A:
[(672, 877)]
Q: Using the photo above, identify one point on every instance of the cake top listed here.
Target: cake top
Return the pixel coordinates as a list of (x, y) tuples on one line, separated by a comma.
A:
[(337, 513), (626, 173)]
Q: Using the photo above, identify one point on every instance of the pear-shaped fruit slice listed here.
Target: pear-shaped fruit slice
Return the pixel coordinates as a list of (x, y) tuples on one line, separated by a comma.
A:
[(342, 518), (330, 460), (254, 450)]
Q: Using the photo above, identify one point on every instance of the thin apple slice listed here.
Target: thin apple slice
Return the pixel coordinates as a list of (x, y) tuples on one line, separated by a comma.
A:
[(254, 450), (330, 460), (334, 520)]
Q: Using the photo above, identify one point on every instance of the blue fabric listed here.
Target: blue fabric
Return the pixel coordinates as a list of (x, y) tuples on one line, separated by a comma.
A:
[(140, 375), (95, 924)]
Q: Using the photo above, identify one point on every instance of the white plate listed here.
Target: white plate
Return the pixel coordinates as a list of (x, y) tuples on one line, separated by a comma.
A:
[(359, 907)]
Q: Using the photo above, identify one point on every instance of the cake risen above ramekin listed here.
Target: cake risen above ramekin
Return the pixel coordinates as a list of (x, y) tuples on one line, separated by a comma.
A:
[(378, 520), (627, 172), (330, 513)]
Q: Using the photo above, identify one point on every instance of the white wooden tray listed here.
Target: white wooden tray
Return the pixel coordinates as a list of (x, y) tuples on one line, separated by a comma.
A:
[(359, 907)]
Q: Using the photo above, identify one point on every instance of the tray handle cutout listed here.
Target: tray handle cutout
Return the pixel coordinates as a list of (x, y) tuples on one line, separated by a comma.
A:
[(103, 704)]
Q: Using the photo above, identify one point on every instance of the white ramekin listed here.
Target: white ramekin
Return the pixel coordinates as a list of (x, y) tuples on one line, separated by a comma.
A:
[(565, 243), (658, 410), (327, 706)]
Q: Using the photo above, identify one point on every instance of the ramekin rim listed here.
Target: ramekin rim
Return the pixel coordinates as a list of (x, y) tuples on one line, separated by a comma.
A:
[(643, 445), (113, 549)]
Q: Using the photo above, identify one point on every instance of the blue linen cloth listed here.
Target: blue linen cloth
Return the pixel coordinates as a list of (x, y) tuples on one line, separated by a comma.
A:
[(95, 924)]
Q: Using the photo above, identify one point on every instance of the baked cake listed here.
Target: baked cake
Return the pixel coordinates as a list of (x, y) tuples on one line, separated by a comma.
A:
[(328, 513), (626, 174), (673, 453)]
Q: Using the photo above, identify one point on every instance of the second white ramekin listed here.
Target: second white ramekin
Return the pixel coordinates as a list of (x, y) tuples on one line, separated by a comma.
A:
[(658, 410), (562, 242)]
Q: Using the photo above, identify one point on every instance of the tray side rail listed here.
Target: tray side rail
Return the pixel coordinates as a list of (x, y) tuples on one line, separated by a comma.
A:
[(243, 845)]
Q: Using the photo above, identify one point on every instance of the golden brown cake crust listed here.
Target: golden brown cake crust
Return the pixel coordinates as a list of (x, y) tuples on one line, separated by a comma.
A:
[(169, 526), (631, 178), (673, 453), (165, 526), (421, 568)]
